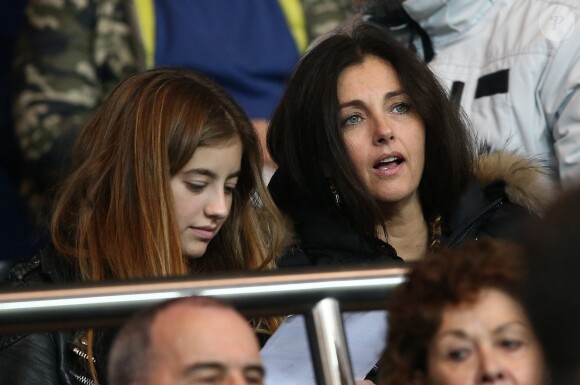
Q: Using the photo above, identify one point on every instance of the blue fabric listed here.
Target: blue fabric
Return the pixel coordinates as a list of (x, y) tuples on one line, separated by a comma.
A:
[(244, 45)]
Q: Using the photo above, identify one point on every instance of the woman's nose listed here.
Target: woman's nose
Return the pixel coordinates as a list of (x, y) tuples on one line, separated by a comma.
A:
[(492, 369), (383, 133)]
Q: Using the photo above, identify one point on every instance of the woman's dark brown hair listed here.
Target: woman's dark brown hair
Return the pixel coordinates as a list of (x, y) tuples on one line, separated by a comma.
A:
[(305, 131)]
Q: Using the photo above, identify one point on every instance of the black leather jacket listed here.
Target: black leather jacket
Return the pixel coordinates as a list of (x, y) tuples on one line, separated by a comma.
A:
[(56, 357), (50, 358)]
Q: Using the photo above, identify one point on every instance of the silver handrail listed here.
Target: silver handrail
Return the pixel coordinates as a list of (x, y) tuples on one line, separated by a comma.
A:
[(257, 293)]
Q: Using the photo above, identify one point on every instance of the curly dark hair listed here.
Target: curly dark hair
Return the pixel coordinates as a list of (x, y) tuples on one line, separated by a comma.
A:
[(446, 277)]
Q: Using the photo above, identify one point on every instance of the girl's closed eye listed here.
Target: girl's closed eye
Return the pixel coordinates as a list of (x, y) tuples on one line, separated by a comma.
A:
[(195, 187), (229, 190)]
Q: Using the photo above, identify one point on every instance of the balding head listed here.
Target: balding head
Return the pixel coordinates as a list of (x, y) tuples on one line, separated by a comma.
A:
[(192, 340)]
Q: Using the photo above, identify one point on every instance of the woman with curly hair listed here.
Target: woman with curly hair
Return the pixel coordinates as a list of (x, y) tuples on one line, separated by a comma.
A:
[(459, 319)]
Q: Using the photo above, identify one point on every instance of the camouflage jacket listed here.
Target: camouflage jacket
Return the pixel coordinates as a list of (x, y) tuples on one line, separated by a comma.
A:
[(71, 54)]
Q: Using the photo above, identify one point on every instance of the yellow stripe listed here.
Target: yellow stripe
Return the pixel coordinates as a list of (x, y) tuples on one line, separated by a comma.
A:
[(146, 15), (294, 14)]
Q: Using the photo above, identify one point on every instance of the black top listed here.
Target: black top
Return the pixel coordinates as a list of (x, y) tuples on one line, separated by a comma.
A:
[(324, 236)]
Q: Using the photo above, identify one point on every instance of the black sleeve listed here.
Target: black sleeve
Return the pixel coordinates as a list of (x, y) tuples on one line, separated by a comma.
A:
[(29, 359)]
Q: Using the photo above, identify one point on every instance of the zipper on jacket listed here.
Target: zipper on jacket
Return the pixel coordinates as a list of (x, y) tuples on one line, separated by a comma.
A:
[(82, 354), (78, 348), (82, 379)]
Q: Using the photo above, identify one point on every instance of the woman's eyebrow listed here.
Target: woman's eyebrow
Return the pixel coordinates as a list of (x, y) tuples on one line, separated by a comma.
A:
[(508, 325), (393, 94), (388, 95), (457, 333)]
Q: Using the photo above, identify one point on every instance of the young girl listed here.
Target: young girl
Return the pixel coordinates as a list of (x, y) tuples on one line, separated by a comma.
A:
[(166, 181)]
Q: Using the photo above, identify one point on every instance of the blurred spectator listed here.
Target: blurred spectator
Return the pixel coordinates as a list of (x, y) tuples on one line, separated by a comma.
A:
[(459, 319), (166, 182), (11, 17), (194, 340), (553, 292), (15, 232), (514, 65), (71, 54)]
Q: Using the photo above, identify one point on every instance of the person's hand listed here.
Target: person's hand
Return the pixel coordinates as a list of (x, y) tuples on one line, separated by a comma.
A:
[(364, 382)]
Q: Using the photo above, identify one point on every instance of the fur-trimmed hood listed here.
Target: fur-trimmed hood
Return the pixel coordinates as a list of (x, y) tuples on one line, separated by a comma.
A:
[(527, 182)]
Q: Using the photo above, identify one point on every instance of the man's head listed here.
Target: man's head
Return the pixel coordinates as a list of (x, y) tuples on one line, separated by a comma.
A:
[(186, 341)]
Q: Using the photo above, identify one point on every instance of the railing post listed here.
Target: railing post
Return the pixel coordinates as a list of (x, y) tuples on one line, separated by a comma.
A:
[(328, 344)]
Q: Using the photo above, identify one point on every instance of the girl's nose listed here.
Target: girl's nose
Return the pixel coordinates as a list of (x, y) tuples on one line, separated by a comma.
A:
[(218, 205)]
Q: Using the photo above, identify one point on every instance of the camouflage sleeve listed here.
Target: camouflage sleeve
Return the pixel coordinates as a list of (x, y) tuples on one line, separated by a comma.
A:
[(56, 80), (322, 16), (69, 56)]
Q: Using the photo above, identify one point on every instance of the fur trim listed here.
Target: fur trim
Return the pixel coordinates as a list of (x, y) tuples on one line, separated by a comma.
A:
[(527, 181)]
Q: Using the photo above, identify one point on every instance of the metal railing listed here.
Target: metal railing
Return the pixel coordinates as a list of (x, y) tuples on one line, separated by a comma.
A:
[(319, 294)]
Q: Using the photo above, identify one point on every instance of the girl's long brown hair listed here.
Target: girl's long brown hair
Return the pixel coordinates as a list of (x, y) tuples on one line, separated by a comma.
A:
[(114, 214)]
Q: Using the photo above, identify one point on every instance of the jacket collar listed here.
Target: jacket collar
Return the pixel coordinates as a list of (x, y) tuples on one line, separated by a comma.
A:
[(58, 269), (527, 181)]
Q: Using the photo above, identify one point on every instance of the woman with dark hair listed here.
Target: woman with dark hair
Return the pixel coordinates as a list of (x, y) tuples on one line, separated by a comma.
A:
[(375, 162), (459, 319), (166, 181)]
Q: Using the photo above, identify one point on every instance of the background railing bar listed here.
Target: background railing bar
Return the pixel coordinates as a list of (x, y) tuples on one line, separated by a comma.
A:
[(328, 346), (271, 293)]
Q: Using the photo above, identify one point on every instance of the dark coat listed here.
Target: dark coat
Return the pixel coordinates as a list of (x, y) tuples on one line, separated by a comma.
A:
[(58, 357), (50, 358), (504, 193)]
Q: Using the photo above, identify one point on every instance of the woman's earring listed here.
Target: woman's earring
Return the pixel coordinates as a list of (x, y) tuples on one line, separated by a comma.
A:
[(334, 192)]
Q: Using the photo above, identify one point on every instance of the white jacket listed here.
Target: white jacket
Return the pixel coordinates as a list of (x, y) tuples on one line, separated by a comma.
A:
[(517, 64)]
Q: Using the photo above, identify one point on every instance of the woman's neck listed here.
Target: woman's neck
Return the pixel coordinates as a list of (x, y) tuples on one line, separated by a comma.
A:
[(407, 229)]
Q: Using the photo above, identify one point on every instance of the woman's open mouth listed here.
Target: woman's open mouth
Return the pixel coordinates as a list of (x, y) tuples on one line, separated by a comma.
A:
[(390, 163)]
